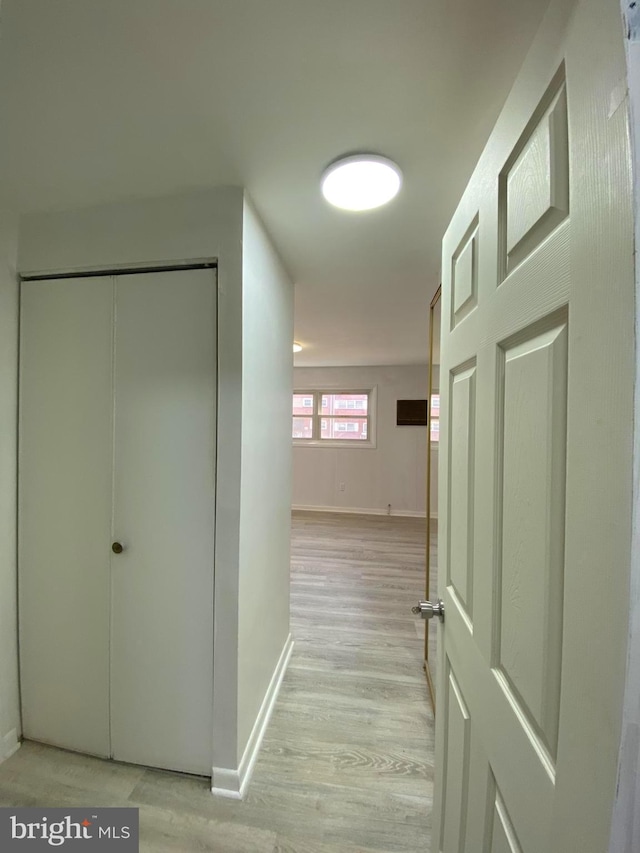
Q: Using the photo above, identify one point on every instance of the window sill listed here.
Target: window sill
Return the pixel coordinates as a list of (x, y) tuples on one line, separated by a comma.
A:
[(332, 442)]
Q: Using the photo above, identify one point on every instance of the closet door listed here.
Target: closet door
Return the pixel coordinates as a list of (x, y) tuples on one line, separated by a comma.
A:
[(164, 487), (65, 511)]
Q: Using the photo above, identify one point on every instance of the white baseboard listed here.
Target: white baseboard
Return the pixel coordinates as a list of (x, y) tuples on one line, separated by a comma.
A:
[(402, 513), (234, 783), (226, 783), (9, 745)]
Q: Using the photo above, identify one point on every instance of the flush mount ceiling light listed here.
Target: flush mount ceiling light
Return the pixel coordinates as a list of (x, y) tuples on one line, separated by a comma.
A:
[(297, 347), (361, 182)]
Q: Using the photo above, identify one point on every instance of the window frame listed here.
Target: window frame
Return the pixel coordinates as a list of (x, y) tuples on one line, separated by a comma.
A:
[(349, 414), (434, 443)]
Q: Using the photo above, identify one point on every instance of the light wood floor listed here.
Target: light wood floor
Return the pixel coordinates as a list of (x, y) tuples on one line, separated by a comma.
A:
[(347, 762)]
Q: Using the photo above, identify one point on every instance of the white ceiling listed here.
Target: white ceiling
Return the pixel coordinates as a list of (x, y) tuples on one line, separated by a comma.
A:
[(109, 99)]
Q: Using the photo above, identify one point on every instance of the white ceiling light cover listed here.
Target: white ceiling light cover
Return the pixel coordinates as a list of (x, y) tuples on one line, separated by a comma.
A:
[(361, 182)]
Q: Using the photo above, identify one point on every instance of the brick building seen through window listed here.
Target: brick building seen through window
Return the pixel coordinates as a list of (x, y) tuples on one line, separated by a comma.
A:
[(331, 416)]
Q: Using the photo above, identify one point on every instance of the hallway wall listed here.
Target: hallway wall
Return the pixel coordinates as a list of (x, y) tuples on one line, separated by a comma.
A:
[(265, 492), (9, 688)]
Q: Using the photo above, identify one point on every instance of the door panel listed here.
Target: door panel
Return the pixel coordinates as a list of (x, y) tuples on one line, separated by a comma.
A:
[(462, 469), (457, 777), (535, 181), (536, 493), (464, 275), (503, 837), (65, 511), (532, 425), (162, 628)]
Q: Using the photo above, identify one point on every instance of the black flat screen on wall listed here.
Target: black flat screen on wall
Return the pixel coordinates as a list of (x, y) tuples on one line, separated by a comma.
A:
[(411, 413)]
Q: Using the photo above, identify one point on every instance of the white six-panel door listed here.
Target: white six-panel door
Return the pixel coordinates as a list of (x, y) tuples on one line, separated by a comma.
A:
[(117, 438), (535, 457)]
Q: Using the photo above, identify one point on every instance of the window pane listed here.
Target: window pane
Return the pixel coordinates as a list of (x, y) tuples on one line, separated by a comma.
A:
[(341, 404), (302, 404), (344, 429), (302, 427), (434, 415)]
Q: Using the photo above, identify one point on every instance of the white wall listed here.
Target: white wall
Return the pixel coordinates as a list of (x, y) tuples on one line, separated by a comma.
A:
[(265, 497), (625, 832), (394, 472), (182, 227), (9, 691)]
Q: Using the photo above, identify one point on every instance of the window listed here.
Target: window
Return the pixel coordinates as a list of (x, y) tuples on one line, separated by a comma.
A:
[(334, 417), (434, 418), (302, 416)]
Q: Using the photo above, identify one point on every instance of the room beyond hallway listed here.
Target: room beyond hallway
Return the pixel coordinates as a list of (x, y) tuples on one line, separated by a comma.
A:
[(347, 761)]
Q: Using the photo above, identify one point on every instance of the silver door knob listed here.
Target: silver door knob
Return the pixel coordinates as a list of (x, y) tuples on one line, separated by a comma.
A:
[(428, 610)]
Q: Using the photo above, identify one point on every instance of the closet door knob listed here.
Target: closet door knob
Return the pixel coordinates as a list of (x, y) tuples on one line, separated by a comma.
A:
[(117, 548)]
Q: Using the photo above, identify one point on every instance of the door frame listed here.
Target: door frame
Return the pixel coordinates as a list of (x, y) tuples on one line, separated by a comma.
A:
[(430, 448), (101, 271), (625, 826), (118, 269)]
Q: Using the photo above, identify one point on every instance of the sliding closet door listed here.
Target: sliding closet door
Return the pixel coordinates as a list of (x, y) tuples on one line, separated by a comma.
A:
[(65, 511), (164, 486)]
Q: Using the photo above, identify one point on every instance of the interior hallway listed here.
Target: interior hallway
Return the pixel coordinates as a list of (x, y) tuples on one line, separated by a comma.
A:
[(347, 761)]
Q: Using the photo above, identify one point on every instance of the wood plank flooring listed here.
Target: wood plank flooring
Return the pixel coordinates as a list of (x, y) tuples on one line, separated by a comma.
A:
[(347, 762)]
